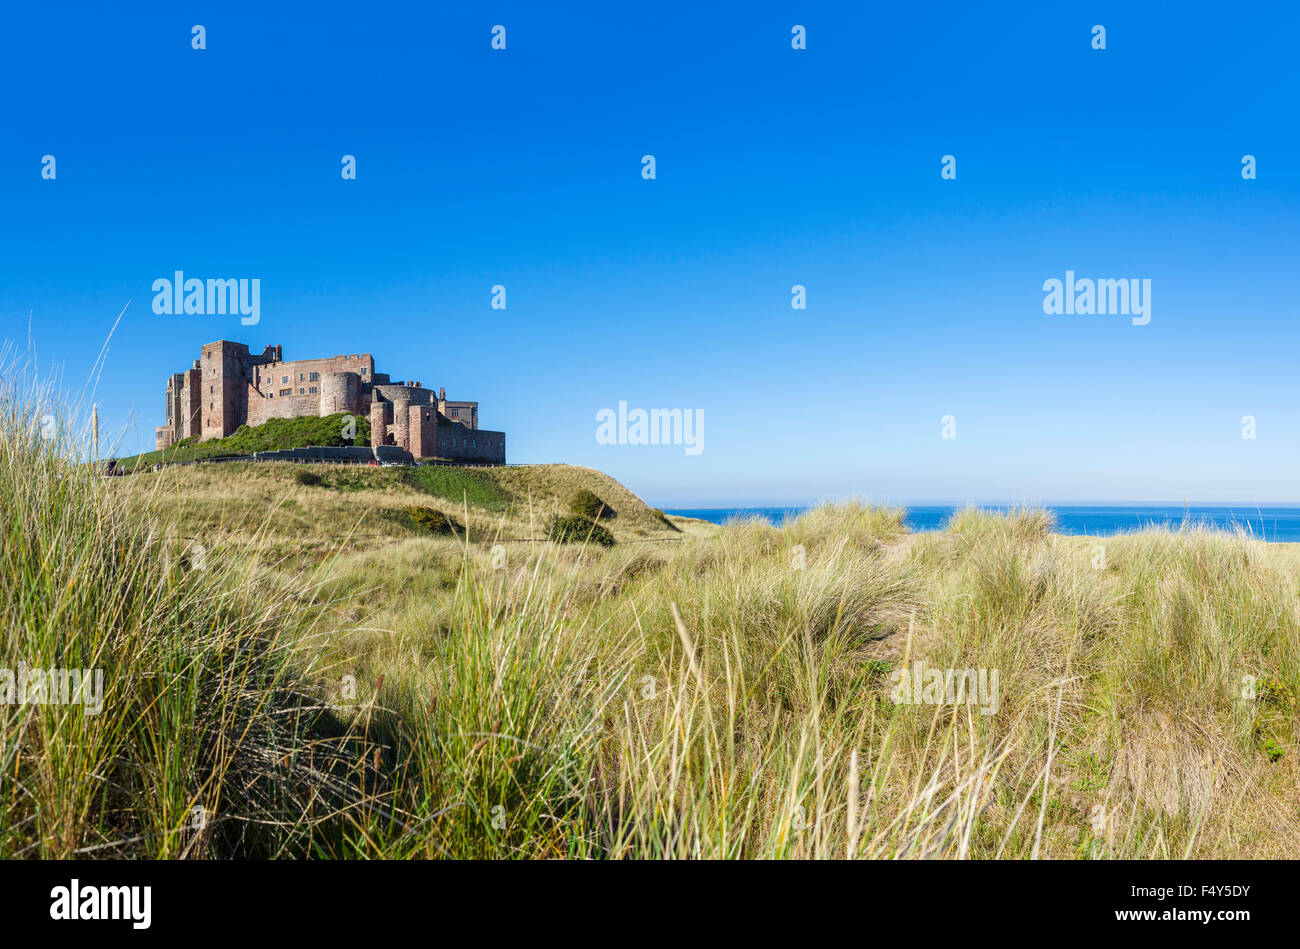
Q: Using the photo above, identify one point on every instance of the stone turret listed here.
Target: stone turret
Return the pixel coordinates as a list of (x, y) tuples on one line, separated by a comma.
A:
[(423, 437), (380, 416), (402, 422), (340, 392)]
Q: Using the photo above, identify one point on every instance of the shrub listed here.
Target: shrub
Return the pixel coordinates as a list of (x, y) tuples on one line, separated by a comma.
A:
[(586, 505), (662, 518), (1273, 691), (575, 529), (1273, 720), (309, 478), (432, 521)]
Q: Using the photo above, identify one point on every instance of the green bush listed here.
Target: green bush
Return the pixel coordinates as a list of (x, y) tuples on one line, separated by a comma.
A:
[(586, 505), (309, 478), (574, 529), (432, 521), (662, 518), (1272, 724)]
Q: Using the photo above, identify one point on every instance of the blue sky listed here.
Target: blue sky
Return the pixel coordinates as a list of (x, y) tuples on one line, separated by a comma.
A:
[(775, 167)]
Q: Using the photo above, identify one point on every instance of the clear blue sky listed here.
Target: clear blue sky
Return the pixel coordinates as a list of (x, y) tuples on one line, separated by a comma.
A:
[(775, 167)]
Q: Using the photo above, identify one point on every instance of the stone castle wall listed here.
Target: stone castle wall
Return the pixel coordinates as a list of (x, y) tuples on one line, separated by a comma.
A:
[(470, 444)]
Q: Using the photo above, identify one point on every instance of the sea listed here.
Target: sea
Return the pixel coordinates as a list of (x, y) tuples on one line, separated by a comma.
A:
[(1275, 524)]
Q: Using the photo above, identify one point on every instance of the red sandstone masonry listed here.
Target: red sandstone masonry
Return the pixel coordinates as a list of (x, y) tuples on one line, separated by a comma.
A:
[(381, 414)]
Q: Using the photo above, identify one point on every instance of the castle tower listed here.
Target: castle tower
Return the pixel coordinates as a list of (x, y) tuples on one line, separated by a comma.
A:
[(223, 394), (191, 401), (402, 422), (379, 422), (340, 392), (423, 428)]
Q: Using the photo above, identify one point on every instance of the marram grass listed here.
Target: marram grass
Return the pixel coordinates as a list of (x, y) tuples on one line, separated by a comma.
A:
[(712, 694)]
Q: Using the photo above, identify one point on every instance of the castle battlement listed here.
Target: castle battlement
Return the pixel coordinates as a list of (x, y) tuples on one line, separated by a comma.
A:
[(228, 387)]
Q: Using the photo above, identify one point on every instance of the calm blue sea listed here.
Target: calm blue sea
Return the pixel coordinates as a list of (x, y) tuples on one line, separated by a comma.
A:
[(1266, 523)]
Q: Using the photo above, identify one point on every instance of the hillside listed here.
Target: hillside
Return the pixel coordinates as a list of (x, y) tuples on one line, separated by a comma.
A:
[(302, 511)]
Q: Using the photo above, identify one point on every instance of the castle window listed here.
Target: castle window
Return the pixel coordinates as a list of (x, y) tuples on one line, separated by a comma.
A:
[(313, 377), (302, 391), (300, 377), (311, 389), (284, 392), (284, 379)]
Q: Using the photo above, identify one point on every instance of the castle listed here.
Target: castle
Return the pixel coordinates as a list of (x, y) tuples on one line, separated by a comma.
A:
[(228, 387)]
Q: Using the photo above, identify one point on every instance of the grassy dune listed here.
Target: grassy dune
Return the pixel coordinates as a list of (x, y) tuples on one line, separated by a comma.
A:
[(324, 682), (349, 507)]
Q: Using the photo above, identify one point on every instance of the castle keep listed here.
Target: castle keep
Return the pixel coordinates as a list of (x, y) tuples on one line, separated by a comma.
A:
[(228, 387)]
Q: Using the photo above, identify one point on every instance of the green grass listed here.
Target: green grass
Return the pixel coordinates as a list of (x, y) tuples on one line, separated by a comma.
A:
[(276, 434), (458, 485), (445, 482)]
